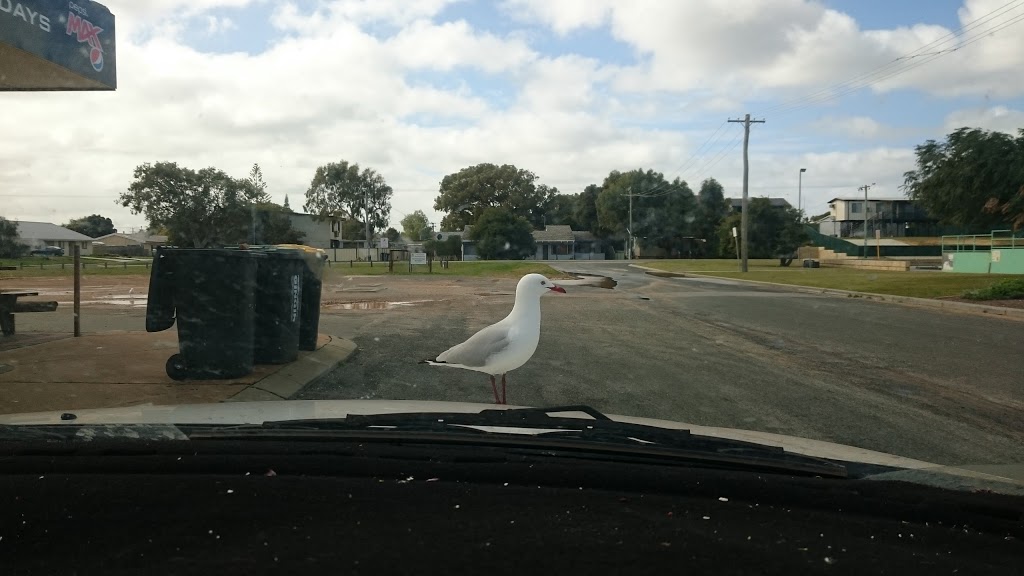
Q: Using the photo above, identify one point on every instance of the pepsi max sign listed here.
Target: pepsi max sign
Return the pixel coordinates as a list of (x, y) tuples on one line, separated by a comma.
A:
[(85, 32), (77, 36)]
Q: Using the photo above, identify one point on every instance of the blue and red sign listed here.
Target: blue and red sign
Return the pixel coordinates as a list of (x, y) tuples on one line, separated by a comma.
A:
[(77, 36)]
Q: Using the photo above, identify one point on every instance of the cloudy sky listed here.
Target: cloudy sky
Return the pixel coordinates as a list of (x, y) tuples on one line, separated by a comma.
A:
[(569, 89)]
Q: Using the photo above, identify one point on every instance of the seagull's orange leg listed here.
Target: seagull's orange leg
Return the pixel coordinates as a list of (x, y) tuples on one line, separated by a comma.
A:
[(495, 388)]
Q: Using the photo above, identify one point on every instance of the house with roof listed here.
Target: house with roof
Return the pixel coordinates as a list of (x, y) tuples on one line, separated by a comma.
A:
[(561, 242), (125, 244), (736, 204), (554, 242), (893, 217), (37, 235)]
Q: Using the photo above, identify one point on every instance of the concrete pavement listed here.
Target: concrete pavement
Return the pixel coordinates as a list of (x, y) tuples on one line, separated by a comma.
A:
[(919, 383), (926, 384), (43, 368)]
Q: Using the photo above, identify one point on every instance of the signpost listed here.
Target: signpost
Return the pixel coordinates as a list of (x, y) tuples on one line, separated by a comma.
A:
[(736, 242), (57, 45), (419, 259)]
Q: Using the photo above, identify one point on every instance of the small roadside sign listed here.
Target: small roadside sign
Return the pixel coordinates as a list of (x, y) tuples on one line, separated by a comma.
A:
[(418, 258), (383, 243)]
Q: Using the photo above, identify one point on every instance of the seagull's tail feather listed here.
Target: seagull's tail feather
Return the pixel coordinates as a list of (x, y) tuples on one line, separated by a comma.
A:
[(432, 361)]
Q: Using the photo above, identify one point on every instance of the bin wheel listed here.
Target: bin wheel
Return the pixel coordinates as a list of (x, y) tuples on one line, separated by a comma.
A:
[(176, 368)]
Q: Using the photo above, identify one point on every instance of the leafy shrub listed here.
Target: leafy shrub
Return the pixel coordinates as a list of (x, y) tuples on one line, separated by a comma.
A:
[(1008, 289)]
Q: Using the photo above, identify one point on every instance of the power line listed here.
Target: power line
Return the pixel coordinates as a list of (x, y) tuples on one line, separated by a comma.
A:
[(706, 168), (696, 153), (922, 55), (897, 66)]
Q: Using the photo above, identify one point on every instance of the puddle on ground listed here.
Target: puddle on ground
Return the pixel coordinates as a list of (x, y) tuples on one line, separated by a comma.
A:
[(129, 300), (374, 305), (136, 304), (592, 280)]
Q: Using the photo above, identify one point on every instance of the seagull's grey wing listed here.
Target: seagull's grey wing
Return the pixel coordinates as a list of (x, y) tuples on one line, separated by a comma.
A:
[(481, 346)]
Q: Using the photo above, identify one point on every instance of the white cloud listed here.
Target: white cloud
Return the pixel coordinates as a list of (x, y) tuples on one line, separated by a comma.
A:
[(389, 11), (328, 89), (747, 48), (330, 14), (450, 45), (563, 16), (997, 118), (860, 127)]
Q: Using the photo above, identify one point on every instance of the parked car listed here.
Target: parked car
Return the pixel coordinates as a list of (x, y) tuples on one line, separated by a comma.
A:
[(48, 251)]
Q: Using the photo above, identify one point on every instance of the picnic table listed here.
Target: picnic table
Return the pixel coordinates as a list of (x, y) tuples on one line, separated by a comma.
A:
[(9, 306)]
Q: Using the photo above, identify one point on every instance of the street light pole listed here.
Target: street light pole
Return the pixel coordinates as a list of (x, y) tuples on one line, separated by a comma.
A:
[(865, 188), (800, 193)]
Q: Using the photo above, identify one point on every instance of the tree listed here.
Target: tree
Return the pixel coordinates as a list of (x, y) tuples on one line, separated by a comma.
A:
[(413, 225), (10, 247), (1012, 209), (393, 235), (663, 211), (711, 210), (466, 194), (774, 231), (585, 211), (92, 226), (340, 189), (287, 206), (561, 209), (971, 179), (501, 235), (259, 186), (273, 226), (450, 247), (352, 229), (199, 208)]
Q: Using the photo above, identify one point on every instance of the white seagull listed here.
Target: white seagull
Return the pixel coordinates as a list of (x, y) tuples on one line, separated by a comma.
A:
[(501, 348)]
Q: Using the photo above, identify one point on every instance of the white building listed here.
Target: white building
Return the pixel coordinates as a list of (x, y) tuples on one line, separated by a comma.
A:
[(41, 234)]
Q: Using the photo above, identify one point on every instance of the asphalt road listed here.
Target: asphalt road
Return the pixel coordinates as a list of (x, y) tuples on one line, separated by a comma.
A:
[(921, 383)]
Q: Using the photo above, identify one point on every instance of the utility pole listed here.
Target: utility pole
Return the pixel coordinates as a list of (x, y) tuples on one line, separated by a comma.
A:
[(865, 188), (366, 219), (800, 193), (629, 249), (744, 216)]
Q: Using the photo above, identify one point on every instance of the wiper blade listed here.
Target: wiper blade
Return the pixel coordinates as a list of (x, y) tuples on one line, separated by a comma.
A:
[(598, 434)]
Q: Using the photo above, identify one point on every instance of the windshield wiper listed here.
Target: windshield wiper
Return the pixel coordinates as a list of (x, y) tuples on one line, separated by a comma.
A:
[(597, 435)]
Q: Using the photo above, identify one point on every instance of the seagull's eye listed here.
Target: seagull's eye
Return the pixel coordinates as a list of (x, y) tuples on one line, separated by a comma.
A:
[(542, 282)]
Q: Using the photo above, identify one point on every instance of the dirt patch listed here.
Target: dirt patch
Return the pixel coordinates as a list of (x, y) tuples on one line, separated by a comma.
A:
[(108, 291)]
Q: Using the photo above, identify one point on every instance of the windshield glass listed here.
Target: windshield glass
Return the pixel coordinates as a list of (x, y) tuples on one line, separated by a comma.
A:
[(799, 219)]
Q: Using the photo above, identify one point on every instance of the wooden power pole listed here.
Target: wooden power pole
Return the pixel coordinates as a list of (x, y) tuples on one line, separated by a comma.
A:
[(744, 216)]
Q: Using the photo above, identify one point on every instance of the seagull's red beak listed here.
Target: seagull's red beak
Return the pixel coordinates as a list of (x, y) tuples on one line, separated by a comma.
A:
[(557, 288)]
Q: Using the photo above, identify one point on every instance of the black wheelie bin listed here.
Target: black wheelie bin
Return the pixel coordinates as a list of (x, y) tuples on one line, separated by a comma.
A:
[(279, 290), (211, 293), (312, 287)]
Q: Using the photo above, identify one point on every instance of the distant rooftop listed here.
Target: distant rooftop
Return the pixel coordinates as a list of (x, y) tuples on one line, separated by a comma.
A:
[(554, 233), (776, 202), (870, 199), (48, 231)]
